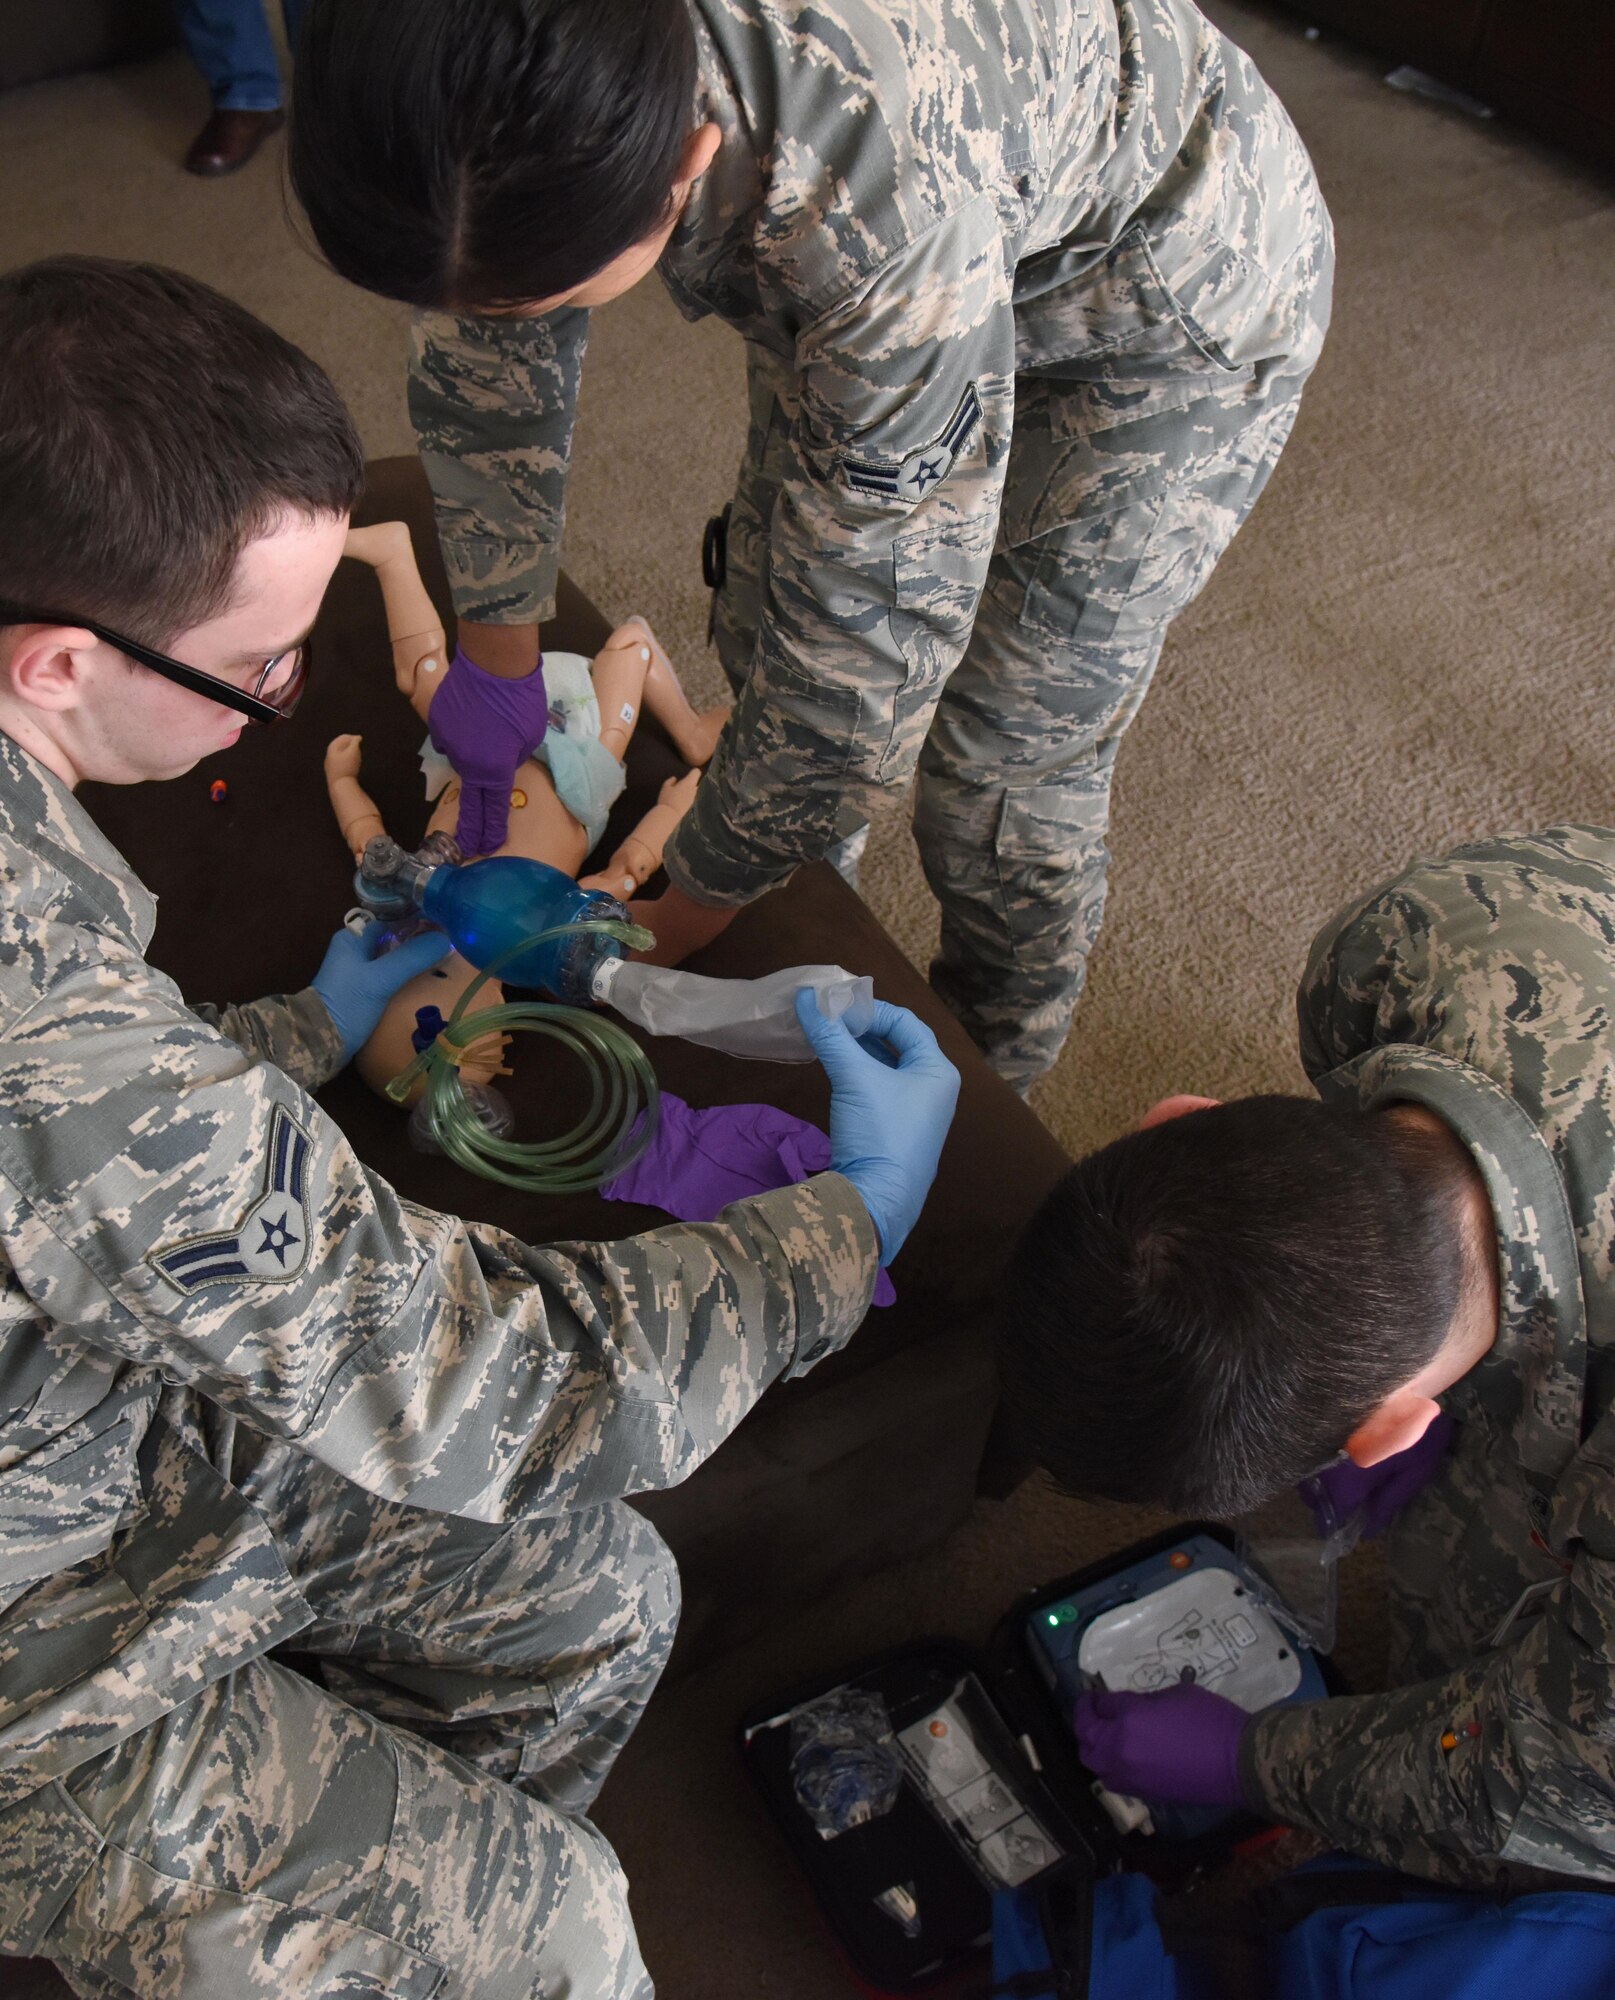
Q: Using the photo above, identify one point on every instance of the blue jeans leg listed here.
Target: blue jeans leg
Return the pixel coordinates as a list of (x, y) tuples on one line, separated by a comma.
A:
[(231, 45), (292, 12)]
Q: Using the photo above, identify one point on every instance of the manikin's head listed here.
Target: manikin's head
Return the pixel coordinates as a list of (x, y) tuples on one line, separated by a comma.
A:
[(496, 156), (1213, 1307), (178, 474)]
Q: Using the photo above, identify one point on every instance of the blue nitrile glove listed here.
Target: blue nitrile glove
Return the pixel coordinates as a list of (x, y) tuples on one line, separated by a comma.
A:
[(356, 985), (486, 725), (887, 1123), (1178, 1747), (1377, 1493)]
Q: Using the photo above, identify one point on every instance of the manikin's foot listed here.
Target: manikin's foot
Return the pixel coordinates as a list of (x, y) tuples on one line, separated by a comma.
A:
[(631, 866), (679, 793), (703, 743)]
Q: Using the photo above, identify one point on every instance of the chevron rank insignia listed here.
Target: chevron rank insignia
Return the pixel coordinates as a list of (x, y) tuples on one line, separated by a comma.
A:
[(271, 1243), (915, 475)]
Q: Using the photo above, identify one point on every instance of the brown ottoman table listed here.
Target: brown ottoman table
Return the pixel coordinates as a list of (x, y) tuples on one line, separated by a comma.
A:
[(879, 1450)]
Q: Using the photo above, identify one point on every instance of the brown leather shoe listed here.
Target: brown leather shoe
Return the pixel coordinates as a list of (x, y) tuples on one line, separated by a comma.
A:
[(229, 139)]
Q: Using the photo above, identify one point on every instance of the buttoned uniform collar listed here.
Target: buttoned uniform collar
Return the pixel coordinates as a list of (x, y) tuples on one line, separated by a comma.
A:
[(81, 876), (1533, 1382)]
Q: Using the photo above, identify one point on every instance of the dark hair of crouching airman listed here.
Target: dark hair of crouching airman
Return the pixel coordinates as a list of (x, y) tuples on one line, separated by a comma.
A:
[(1202, 1312)]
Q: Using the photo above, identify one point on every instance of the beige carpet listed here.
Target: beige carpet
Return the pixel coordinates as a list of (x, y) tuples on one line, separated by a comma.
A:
[(1408, 645)]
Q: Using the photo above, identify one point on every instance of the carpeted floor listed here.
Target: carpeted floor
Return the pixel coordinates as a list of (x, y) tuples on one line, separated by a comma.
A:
[(1407, 646)]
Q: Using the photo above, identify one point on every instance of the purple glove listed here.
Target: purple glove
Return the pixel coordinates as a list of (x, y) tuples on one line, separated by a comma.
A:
[(1377, 1492), (1179, 1747), (485, 726), (700, 1161)]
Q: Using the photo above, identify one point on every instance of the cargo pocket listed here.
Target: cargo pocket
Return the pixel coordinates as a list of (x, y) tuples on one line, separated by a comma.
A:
[(1210, 274), (1080, 576), (47, 1847), (1168, 295), (937, 577), (1047, 857), (55, 1637), (129, 1921)]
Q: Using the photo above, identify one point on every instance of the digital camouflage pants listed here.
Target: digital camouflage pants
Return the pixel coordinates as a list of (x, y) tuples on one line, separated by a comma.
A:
[(402, 1817), (1119, 498)]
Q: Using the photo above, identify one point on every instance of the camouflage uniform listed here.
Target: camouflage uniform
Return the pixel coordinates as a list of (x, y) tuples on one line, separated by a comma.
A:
[(1481, 987), (255, 1398), (1029, 292)]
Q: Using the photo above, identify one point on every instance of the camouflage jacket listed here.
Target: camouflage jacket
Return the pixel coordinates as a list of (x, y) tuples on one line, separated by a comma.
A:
[(912, 201), (187, 1242), (1483, 987)]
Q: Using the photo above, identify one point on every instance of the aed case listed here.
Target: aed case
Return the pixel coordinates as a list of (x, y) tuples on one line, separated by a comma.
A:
[(993, 1792)]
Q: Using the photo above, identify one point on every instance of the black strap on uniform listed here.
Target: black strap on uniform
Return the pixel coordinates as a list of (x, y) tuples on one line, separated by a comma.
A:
[(715, 562)]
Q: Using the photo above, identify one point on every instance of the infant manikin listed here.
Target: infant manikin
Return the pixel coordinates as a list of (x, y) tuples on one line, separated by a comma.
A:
[(561, 794)]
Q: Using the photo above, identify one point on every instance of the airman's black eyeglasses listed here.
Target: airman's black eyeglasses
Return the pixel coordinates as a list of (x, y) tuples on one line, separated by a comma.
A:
[(261, 703)]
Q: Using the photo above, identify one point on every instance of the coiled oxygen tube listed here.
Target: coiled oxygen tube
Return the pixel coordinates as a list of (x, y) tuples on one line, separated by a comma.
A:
[(622, 1083)]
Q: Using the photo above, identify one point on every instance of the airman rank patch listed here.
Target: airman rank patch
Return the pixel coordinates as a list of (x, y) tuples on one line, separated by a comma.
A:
[(271, 1243), (915, 476)]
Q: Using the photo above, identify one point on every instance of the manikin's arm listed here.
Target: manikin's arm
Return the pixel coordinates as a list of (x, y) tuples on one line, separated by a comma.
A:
[(388, 1049), (419, 658), (640, 855), (355, 809)]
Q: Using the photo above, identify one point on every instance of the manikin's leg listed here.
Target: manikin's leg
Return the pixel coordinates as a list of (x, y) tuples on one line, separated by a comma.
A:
[(631, 671)]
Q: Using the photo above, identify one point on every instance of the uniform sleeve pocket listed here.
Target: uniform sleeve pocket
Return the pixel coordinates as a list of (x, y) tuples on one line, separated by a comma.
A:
[(802, 728), (62, 1503), (47, 1847), (937, 576)]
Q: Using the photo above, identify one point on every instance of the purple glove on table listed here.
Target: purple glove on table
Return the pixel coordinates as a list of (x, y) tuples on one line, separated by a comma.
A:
[(700, 1161), (1178, 1747), (1377, 1493), (485, 726)]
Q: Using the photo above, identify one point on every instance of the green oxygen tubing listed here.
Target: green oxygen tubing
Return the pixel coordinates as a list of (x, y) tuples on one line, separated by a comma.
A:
[(622, 1083)]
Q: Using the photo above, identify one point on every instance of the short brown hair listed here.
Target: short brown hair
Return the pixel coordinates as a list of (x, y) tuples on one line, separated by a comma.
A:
[(150, 428), (1202, 1313)]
